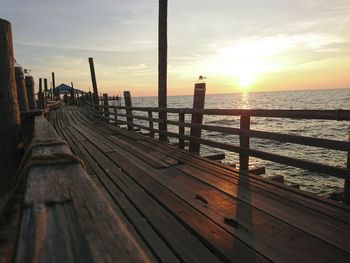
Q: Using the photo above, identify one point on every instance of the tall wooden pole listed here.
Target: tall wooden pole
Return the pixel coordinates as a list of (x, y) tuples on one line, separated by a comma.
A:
[(10, 118), (162, 64), (94, 82), (54, 91)]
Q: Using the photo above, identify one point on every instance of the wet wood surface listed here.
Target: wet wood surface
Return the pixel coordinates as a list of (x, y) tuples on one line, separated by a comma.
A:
[(184, 208)]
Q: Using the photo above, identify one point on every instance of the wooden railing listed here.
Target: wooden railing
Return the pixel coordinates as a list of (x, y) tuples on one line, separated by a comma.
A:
[(244, 132)]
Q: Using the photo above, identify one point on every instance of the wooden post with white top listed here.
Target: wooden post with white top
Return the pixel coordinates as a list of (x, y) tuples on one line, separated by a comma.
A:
[(197, 118)]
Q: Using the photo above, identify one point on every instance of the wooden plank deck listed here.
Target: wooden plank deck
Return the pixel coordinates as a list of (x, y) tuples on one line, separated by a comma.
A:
[(184, 208)]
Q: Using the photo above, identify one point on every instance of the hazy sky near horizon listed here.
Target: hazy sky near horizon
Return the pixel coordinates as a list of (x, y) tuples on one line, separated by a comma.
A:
[(254, 44)]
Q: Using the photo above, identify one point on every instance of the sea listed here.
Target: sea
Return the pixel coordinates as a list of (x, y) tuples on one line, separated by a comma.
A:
[(297, 100)]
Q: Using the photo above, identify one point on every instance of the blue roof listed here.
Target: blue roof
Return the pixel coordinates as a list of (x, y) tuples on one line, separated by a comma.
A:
[(65, 89)]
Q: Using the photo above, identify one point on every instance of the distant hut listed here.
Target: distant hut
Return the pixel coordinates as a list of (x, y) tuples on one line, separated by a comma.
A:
[(63, 89)]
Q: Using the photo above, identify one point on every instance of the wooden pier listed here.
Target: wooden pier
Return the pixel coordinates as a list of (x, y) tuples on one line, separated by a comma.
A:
[(90, 189), (181, 207)]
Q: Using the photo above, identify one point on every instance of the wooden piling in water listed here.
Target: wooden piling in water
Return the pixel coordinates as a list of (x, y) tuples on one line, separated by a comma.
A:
[(94, 82), (21, 89), (128, 105), (9, 109), (197, 118), (30, 92)]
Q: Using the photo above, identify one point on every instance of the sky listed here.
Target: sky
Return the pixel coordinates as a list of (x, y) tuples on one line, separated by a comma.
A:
[(238, 45)]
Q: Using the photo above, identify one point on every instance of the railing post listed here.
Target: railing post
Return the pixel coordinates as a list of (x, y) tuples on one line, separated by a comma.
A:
[(21, 89), (105, 106), (244, 143), (30, 92), (150, 120), (181, 130), (128, 110), (197, 118), (115, 115), (10, 119), (346, 191), (94, 82)]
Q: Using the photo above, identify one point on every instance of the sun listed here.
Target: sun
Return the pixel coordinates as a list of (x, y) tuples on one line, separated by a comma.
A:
[(246, 79), (246, 61)]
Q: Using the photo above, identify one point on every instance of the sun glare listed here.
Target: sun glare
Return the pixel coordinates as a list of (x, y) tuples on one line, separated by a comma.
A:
[(245, 61), (245, 80)]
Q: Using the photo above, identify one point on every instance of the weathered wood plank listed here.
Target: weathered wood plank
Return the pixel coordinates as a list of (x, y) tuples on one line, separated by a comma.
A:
[(228, 173), (63, 209), (221, 247), (251, 211), (158, 176), (191, 250)]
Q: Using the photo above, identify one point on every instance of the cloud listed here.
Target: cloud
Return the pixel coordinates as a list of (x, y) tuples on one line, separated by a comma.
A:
[(122, 35)]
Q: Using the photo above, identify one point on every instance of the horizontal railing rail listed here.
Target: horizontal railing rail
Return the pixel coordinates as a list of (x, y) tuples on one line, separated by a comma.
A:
[(338, 115), (127, 118)]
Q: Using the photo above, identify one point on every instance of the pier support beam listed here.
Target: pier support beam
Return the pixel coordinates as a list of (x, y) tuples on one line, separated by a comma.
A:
[(10, 118), (197, 118), (94, 83)]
